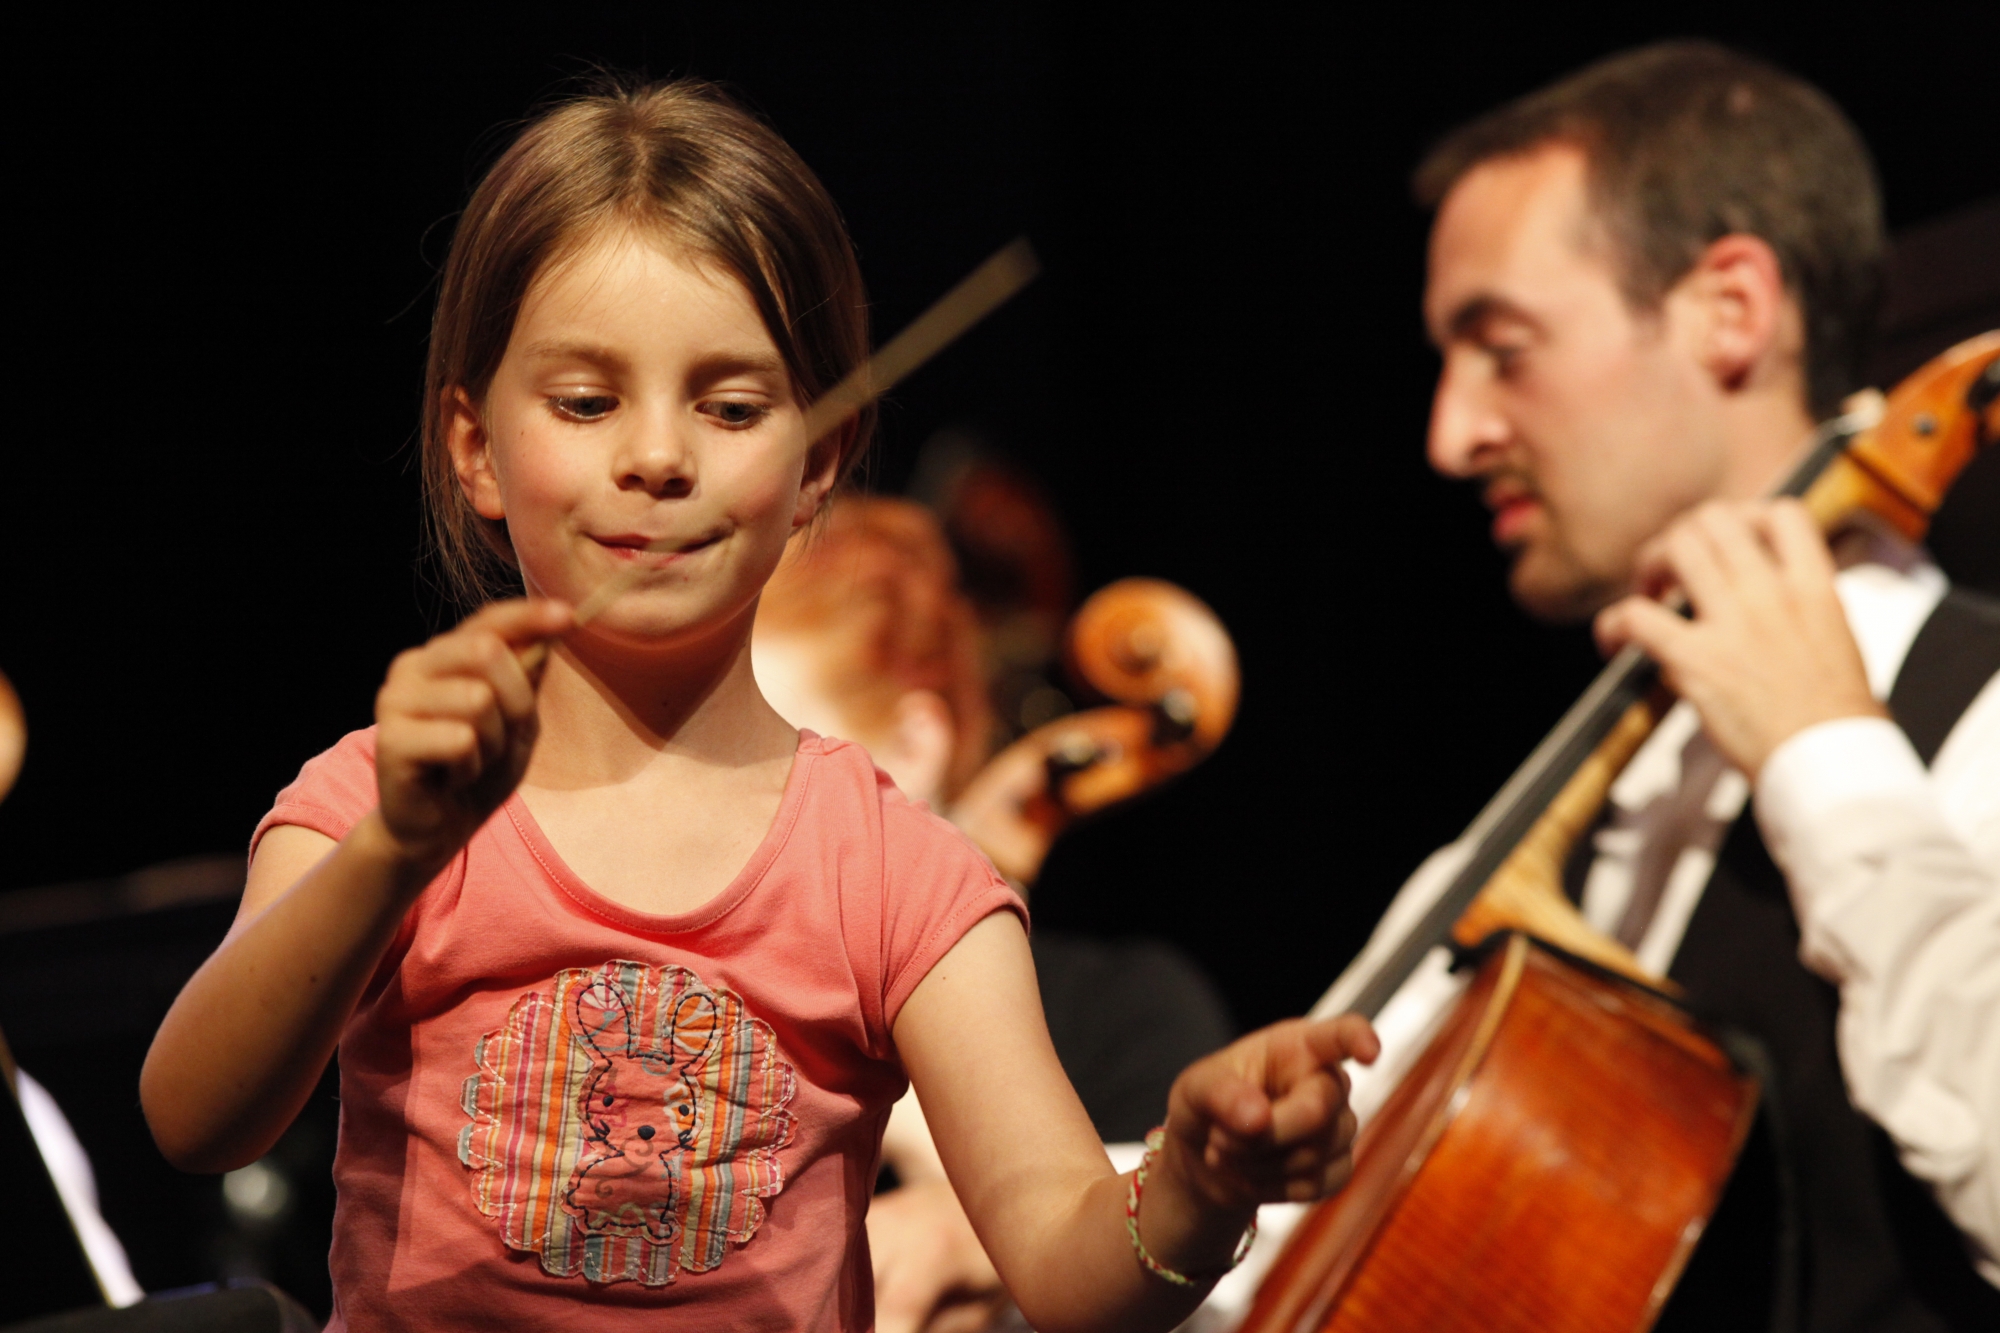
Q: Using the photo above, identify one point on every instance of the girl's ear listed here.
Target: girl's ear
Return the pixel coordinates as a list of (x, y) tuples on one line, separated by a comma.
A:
[(822, 471), (471, 454)]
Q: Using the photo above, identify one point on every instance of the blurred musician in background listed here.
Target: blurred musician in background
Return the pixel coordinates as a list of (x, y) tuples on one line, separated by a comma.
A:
[(1647, 283), (866, 634)]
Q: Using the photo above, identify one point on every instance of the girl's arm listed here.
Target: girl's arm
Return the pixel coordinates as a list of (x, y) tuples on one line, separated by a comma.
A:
[(251, 1032), (1263, 1120)]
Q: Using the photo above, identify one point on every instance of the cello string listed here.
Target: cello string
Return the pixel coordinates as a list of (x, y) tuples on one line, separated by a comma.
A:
[(988, 287)]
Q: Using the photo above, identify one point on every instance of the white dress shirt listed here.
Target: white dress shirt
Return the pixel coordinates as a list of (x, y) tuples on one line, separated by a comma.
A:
[(1894, 873)]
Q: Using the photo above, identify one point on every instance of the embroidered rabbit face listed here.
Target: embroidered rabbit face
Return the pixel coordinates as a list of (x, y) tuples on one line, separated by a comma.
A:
[(643, 1110)]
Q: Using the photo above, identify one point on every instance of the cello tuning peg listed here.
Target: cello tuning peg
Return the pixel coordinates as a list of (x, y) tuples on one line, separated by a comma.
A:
[(1983, 390), (1174, 716), (1072, 754)]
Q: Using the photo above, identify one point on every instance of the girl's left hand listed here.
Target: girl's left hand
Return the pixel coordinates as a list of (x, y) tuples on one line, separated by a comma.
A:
[(1264, 1120)]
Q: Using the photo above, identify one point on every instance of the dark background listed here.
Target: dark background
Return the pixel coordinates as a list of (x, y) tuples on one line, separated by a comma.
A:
[(221, 275)]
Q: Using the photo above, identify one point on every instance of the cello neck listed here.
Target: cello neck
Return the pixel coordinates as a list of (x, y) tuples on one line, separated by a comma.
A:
[(1593, 721)]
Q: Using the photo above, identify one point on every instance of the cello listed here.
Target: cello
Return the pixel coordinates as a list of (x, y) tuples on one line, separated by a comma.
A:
[(1552, 1157)]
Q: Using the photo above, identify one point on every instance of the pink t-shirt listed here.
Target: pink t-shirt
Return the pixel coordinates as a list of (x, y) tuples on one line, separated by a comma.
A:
[(557, 1112)]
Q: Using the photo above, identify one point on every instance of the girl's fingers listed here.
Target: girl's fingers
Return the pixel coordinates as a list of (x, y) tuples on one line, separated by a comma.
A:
[(523, 620), (479, 654), (462, 698), (1213, 1092), (1306, 1109), (1345, 1127), (451, 745), (1268, 1117), (527, 624), (469, 699), (1335, 1174), (487, 646), (1333, 1136), (1342, 1037)]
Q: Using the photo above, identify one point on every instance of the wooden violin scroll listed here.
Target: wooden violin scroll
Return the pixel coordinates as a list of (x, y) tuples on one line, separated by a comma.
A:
[(13, 736), (1169, 669)]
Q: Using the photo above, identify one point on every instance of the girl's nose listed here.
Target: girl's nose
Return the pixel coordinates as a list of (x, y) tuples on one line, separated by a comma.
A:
[(656, 459)]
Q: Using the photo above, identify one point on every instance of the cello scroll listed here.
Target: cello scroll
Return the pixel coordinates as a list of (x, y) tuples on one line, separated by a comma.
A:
[(1168, 667)]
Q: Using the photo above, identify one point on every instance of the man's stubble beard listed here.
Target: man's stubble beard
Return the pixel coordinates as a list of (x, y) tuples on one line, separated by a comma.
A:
[(1558, 589)]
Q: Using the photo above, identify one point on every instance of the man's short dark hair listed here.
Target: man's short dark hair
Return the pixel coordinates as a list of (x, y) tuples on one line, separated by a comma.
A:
[(1690, 141)]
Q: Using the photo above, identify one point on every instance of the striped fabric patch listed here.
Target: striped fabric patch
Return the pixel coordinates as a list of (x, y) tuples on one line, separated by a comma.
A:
[(625, 1124)]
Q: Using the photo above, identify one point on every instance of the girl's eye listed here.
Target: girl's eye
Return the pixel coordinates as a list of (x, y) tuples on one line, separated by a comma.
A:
[(583, 406), (731, 412)]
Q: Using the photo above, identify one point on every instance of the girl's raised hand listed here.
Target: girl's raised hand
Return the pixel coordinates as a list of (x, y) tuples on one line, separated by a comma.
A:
[(455, 724), (1263, 1120)]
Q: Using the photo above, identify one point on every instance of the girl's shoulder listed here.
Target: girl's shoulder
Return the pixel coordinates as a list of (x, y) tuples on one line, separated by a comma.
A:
[(333, 790), (844, 775), (933, 884)]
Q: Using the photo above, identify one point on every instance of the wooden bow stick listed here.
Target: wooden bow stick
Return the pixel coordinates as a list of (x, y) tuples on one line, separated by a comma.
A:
[(976, 296)]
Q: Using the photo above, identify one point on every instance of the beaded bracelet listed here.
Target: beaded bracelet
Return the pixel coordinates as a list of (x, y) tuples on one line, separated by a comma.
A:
[(1157, 1137)]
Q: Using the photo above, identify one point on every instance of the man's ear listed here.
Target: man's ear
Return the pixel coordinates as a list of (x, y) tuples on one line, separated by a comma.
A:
[(1746, 325), (822, 471), (471, 454)]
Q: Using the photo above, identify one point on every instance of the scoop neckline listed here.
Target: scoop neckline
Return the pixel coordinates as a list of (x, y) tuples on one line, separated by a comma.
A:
[(725, 900)]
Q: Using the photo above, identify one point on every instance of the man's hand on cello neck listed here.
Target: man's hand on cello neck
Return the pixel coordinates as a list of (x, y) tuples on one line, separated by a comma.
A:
[(1767, 651)]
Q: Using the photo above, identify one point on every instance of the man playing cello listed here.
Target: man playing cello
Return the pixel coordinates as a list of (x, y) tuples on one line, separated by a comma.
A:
[(1648, 282)]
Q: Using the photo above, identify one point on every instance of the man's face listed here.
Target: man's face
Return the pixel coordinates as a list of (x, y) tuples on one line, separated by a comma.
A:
[(1584, 420)]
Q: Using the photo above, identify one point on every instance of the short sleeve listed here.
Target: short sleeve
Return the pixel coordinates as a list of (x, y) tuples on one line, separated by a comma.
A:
[(331, 793), (938, 887)]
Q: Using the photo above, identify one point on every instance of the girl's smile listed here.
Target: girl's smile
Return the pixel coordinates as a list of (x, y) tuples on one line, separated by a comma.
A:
[(660, 551)]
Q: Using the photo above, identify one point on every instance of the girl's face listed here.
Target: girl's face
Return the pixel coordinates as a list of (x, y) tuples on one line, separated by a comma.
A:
[(641, 400)]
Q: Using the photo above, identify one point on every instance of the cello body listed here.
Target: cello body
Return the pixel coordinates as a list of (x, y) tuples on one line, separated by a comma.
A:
[(1565, 1203)]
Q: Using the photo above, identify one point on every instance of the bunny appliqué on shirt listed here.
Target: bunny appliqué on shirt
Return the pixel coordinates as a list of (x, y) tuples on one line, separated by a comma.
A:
[(641, 1108), (625, 1123)]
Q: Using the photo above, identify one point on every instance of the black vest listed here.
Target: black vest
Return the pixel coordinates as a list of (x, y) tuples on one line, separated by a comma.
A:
[(1821, 1230)]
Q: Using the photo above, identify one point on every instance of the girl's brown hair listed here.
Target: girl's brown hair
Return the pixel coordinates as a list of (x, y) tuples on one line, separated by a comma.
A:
[(680, 159), (877, 587)]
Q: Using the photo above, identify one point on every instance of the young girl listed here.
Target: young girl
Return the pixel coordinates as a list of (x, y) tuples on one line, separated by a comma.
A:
[(625, 972)]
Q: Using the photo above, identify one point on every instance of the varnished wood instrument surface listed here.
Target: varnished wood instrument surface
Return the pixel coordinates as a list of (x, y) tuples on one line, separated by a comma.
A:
[(1581, 1229)]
